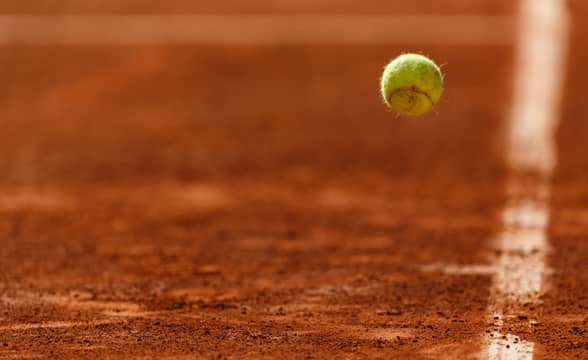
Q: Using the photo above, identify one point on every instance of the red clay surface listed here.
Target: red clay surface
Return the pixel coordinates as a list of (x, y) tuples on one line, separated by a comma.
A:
[(259, 202), (565, 310)]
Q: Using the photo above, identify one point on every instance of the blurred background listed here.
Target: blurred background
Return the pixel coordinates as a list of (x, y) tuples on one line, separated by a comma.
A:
[(139, 90)]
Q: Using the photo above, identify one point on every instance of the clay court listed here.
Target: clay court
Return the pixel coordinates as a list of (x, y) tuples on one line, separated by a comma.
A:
[(221, 180)]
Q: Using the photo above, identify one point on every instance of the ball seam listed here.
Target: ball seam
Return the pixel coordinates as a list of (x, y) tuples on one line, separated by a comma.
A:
[(411, 88)]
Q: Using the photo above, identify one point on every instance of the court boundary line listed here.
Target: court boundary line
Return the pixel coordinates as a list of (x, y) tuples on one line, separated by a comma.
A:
[(532, 155), (367, 29)]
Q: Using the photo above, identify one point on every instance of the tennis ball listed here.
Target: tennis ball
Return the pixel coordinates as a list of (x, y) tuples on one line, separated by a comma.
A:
[(411, 84)]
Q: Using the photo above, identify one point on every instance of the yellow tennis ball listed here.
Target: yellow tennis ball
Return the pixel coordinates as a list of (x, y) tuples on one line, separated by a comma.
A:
[(411, 84)]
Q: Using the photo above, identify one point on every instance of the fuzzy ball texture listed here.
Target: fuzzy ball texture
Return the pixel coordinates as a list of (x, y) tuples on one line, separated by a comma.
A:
[(411, 84)]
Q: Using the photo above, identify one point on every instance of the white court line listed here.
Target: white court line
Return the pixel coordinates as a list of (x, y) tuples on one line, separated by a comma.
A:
[(255, 29), (523, 244)]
